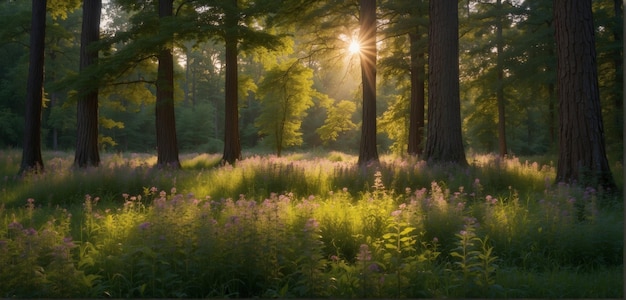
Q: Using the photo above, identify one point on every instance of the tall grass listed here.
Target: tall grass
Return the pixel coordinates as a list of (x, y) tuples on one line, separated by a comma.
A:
[(305, 226)]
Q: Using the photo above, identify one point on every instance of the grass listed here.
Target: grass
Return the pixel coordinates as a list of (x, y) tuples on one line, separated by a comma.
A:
[(305, 225)]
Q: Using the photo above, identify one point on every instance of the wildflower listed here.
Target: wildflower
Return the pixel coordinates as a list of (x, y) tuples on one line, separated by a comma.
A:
[(144, 226), (162, 194), (333, 258), (345, 189), (396, 213), (69, 243), (373, 267), (435, 240), (15, 225), (364, 253), (173, 191), (311, 224), (125, 195), (30, 231), (470, 220), (153, 190)]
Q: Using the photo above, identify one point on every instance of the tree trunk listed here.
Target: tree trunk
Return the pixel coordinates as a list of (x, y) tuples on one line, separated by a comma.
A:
[(367, 38), (87, 108), (31, 151), (167, 144), (418, 77), (444, 141), (500, 88), (582, 155), (232, 146)]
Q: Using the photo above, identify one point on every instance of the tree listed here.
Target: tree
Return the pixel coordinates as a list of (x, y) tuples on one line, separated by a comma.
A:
[(337, 120), (444, 141), (167, 144), (31, 151), (232, 145), (367, 39), (408, 26), (582, 154), (286, 93), (87, 113)]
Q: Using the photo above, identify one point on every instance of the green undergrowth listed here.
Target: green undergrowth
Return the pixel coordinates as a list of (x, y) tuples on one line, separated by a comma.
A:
[(306, 226)]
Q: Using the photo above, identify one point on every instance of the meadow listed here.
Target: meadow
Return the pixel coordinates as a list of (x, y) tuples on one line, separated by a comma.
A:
[(306, 225)]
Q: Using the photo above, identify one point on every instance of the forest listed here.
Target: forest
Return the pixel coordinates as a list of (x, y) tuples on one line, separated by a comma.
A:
[(311, 148), (506, 57)]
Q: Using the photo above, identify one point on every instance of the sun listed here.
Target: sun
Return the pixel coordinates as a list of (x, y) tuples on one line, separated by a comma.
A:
[(354, 47)]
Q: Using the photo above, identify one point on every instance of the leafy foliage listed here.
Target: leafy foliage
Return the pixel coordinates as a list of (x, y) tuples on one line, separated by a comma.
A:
[(285, 92), (338, 119)]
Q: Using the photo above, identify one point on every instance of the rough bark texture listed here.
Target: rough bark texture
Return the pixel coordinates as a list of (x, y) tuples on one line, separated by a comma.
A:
[(87, 108), (167, 144), (582, 155), (367, 37), (31, 151), (418, 78), (232, 144), (444, 141)]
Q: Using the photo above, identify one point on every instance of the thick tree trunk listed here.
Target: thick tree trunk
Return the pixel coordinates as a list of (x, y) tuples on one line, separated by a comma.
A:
[(367, 38), (582, 155), (167, 144), (418, 78), (232, 144), (444, 141), (87, 111), (31, 151)]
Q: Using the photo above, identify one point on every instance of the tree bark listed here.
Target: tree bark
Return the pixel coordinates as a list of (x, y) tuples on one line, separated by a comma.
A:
[(582, 154), (167, 144), (31, 151), (444, 141), (418, 78), (367, 37), (87, 108), (232, 144)]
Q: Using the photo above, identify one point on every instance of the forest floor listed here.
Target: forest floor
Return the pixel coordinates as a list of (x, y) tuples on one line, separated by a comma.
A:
[(306, 225)]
